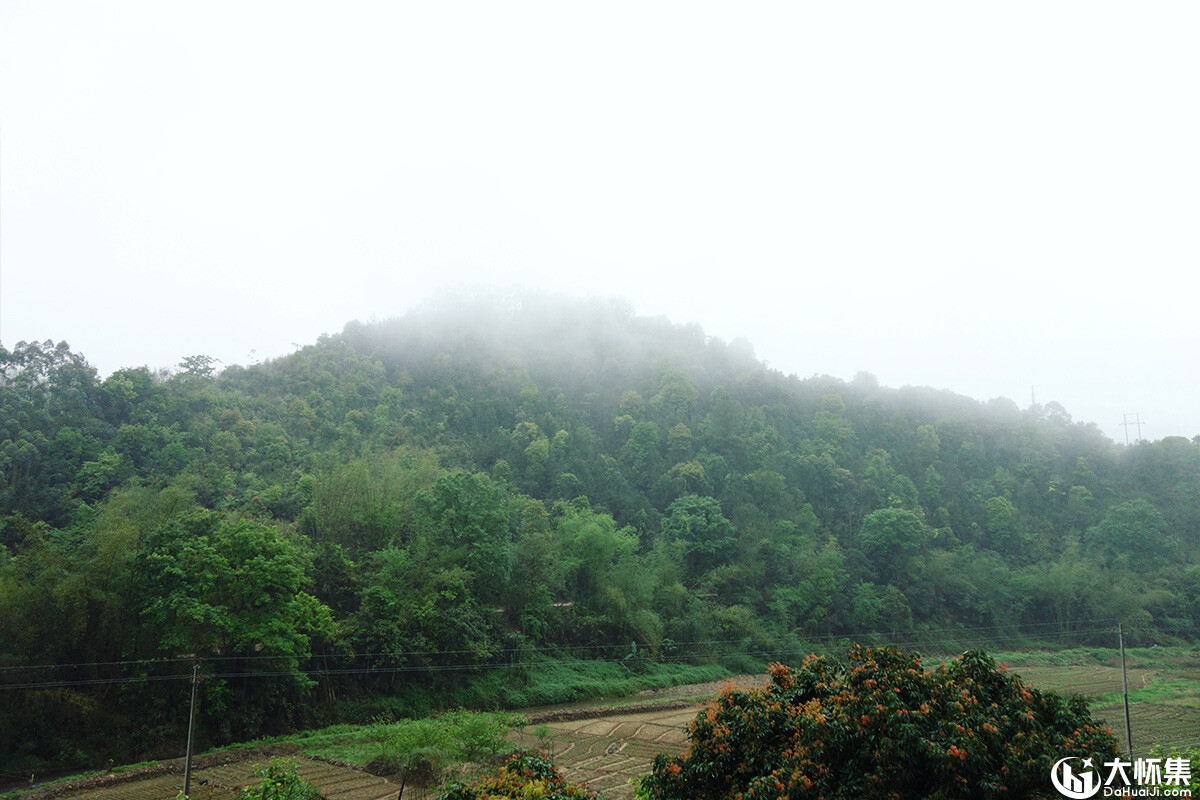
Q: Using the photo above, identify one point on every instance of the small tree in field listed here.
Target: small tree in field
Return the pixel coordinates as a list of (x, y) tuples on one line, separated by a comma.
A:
[(521, 776), (881, 727)]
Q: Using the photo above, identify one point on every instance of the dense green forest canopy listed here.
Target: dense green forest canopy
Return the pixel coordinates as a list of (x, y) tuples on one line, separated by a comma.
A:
[(409, 505)]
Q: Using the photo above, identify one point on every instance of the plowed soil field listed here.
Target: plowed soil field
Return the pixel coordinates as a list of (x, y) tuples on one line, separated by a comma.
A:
[(608, 748), (605, 747), (223, 781), (608, 752)]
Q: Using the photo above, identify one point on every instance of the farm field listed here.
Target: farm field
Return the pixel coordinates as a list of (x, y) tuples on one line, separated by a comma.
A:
[(609, 752), (603, 746), (1164, 690), (223, 781), (610, 747)]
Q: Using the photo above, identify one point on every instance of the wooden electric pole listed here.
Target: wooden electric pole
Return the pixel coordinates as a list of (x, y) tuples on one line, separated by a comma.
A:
[(187, 761), (1125, 692)]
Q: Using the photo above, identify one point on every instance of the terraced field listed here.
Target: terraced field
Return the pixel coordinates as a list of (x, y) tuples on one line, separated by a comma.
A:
[(225, 781), (608, 752), (608, 748), (1164, 699), (1153, 723)]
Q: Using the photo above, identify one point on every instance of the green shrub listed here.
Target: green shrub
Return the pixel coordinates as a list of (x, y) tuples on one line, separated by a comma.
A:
[(1192, 754), (428, 746), (280, 781), (474, 735), (521, 776)]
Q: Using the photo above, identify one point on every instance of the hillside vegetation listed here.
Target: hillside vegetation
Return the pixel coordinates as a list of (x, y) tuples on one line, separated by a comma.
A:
[(455, 506)]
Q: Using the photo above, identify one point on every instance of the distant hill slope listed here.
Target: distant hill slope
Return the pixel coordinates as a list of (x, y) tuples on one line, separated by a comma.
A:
[(403, 507)]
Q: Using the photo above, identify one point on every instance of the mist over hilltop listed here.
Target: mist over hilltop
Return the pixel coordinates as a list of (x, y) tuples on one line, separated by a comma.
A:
[(555, 336)]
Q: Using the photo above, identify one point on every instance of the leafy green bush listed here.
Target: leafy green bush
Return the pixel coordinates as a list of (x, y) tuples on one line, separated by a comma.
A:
[(521, 776), (474, 735), (1192, 754), (427, 746), (881, 727), (280, 781)]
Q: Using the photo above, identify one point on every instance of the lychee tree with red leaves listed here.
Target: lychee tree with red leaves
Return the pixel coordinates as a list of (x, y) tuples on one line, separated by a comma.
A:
[(881, 727)]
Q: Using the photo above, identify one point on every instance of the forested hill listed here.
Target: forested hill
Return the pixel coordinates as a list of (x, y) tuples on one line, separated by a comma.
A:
[(499, 481)]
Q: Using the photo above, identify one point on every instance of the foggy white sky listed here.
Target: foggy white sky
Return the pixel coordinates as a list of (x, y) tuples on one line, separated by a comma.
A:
[(981, 197)]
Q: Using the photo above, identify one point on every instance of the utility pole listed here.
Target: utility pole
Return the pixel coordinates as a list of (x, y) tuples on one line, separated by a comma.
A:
[(1125, 692), (187, 761)]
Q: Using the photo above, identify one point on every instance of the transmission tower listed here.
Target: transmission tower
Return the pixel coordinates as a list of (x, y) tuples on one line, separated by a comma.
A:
[(1137, 421)]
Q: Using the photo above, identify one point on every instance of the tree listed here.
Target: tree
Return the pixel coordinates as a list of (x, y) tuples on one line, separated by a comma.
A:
[(604, 574), (710, 538), (889, 537), (881, 727), (1003, 525), (211, 586), (419, 614), (198, 366), (469, 515), (1134, 530), (206, 586)]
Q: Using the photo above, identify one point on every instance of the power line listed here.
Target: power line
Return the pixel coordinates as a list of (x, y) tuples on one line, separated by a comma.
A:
[(925, 640), (1036, 629)]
